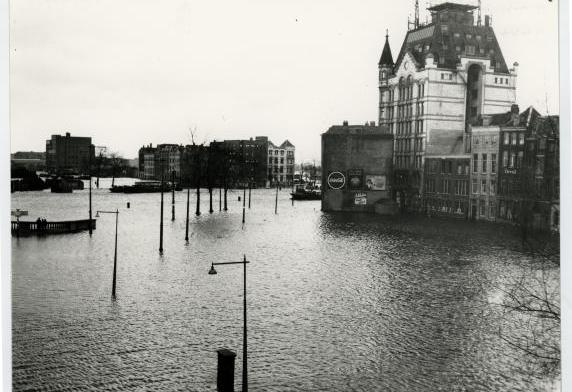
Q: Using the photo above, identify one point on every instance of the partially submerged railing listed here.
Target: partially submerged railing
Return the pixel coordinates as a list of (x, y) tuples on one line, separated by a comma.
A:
[(30, 228)]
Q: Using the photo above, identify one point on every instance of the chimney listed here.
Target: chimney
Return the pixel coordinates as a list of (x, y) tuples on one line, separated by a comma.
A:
[(487, 20), (345, 123), (514, 117), (67, 134)]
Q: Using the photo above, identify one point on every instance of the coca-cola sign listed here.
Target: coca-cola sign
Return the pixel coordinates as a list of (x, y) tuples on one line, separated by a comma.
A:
[(336, 180)]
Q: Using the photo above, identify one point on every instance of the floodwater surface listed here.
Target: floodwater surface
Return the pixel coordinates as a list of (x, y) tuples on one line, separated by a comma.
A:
[(336, 302)]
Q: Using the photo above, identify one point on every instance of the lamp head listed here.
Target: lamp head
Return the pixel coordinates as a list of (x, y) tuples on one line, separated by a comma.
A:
[(212, 271), (97, 214)]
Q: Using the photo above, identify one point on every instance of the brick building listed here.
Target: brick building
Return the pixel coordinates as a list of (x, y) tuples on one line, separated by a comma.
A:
[(446, 178), (69, 154), (233, 162), (281, 163), (357, 168), (484, 172)]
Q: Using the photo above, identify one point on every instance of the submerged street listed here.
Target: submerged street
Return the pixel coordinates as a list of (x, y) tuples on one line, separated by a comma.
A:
[(336, 302)]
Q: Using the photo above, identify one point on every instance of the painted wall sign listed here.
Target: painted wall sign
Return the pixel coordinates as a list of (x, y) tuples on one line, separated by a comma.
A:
[(360, 198), (375, 183), (355, 179), (336, 180)]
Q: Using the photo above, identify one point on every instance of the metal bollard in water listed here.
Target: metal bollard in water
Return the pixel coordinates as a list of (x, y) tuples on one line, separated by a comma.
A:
[(128, 205), (225, 370)]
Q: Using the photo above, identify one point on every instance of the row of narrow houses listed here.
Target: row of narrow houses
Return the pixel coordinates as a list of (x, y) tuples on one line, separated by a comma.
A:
[(256, 160), (461, 147)]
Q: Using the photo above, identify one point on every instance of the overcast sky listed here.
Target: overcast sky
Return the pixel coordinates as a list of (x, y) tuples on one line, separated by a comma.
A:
[(129, 73)]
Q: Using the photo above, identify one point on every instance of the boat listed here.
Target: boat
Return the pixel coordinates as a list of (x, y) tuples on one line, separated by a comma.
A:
[(309, 191), (145, 187), (66, 185)]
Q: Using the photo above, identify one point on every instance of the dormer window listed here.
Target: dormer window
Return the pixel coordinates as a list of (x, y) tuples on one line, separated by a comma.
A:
[(458, 48), (492, 51), (489, 38), (469, 36), (456, 35), (444, 28), (427, 47), (470, 49), (478, 37), (482, 51)]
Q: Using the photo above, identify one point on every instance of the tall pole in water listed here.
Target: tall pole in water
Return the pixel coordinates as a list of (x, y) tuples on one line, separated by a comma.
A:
[(219, 198), (187, 221), (276, 204), (89, 168), (243, 203), (115, 255), (173, 199), (161, 224), (244, 344), (198, 180)]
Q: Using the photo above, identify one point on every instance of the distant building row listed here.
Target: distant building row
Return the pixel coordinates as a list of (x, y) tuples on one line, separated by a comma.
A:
[(256, 160)]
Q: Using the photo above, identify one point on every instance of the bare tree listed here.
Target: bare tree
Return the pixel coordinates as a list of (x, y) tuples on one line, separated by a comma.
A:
[(533, 299)]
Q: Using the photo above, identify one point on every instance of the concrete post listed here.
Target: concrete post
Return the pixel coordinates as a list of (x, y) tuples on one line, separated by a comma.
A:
[(225, 370)]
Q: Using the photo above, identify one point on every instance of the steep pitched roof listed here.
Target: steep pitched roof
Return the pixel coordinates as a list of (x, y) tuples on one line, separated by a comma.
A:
[(447, 41), (286, 144), (386, 57)]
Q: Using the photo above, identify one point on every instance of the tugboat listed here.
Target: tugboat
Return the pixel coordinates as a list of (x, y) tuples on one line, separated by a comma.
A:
[(309, 191)]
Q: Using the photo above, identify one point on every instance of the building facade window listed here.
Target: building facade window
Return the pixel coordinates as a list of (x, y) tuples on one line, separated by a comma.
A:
[(475, 163), (493, 163), (475, 186), (484, 166), (484, 187), (445, 186)]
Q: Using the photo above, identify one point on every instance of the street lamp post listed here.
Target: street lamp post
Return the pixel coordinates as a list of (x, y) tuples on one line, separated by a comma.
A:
[(213, 271), (116, 212), (173, 199), (161, 223), (89, 168)]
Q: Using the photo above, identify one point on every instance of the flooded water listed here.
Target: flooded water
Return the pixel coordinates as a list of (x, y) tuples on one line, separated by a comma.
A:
[(336, 302)]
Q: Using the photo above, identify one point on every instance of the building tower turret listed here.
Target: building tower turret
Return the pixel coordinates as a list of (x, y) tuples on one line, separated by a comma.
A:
[(385, 66)]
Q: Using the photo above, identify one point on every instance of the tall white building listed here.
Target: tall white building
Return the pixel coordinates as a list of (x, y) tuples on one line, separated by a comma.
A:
[(448, 74)]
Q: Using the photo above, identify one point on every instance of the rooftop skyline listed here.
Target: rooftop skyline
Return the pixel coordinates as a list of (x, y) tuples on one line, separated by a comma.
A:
[(131, 74)]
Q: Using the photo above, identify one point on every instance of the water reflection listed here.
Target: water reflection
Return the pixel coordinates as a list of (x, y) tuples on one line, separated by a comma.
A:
[(336, 302)]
